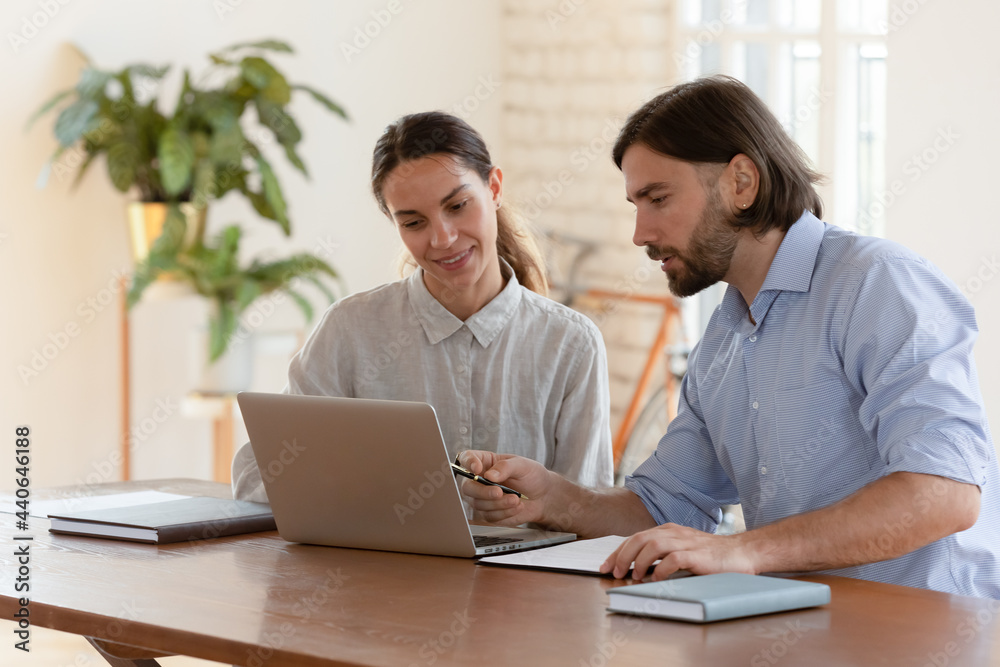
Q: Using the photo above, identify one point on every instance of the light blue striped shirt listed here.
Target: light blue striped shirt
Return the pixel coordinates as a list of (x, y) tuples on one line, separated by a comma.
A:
[(860, 365)]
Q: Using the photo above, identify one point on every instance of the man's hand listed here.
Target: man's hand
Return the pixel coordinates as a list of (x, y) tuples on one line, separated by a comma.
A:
[(521, 474), (678, 548)]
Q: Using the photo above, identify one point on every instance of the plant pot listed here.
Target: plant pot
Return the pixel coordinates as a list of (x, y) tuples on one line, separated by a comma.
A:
[(146, 220), (230, 373)]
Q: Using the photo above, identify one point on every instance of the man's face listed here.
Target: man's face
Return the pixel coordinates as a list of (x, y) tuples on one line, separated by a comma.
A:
[(682, 222)]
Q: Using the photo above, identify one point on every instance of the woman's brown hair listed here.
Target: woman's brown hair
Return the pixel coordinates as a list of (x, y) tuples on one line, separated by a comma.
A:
[(437, 133)]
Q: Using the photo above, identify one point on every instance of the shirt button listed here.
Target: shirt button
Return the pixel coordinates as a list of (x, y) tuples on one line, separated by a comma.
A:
[(753, 338), (460, 369), (463, 430), (763, 470), (754, 405)]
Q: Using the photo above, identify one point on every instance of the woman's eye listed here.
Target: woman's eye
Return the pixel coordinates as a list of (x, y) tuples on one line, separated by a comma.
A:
[(459, 205), (409, 224)]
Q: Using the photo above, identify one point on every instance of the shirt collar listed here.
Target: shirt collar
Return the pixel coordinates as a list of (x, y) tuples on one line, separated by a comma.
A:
[(792, 267), (791, 270), (489, 321)]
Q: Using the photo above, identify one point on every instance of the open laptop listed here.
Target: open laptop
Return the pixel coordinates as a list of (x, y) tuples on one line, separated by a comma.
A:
[(368, 474)]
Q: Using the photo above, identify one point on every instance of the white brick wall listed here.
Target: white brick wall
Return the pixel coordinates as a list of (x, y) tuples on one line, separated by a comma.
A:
[(573, 71)]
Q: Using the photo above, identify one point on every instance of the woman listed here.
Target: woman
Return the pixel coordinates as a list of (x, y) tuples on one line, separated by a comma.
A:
[(469, 331)]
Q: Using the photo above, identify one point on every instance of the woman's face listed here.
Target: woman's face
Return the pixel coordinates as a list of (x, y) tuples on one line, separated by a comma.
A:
[(447, 218)]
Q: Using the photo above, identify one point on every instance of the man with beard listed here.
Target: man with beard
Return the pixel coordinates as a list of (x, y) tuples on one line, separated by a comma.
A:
[(833, 393)]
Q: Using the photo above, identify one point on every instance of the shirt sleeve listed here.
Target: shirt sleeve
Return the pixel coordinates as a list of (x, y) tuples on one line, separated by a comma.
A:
[(907, 342), (583, 431), (683, 481)]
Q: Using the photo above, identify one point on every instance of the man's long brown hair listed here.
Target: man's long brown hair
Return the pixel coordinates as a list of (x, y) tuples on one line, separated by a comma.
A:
[(713, 119)]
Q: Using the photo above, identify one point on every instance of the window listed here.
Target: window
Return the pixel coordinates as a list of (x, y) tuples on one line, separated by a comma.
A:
[(821, 67)]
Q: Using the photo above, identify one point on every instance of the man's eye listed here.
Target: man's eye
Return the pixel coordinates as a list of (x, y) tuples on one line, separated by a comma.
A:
[(657, 200)]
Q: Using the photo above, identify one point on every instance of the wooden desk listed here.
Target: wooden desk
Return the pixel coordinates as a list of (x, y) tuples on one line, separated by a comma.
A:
[(257, 600)]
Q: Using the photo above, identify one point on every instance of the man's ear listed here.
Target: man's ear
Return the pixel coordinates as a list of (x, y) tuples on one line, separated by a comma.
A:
[(743, 179)]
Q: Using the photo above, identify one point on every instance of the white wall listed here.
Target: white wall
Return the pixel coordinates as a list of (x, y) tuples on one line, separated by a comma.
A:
[(60, 250), (944, 103)]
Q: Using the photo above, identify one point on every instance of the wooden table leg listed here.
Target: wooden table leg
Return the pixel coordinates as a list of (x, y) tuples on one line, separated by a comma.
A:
[(223, 441), (122, 655)]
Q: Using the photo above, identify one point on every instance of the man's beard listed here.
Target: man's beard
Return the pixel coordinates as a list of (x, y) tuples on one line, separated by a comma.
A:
[(709, 254)]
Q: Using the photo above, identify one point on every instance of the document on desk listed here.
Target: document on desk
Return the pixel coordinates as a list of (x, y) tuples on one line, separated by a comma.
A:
[(581, 556), (43, 508)]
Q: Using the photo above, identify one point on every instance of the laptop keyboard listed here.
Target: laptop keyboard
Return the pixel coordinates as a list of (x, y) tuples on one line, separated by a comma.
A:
[(489, 541)]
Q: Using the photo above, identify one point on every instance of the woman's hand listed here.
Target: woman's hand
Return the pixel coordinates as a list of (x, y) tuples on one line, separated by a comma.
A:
[(516, 472)]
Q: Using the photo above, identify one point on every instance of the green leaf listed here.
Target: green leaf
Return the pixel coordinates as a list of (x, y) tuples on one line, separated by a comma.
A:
[(149, 71), (273, 194), (267, 44), (225, 147), (221, 327), (171, 240), (321, 286), (247, 294), (204, 187), (268, 81), (45, 108), (294, 158), (176, 154), (92, 83), (302, 302), (74, 121), (276, 119), (122, 162), (83, 170), (324, 100)]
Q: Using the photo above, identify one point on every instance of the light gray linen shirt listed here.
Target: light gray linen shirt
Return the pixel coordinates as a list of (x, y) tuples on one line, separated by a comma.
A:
[(524, 375)]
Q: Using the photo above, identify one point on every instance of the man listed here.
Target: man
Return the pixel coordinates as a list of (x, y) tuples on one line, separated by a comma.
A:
[(833, 393)]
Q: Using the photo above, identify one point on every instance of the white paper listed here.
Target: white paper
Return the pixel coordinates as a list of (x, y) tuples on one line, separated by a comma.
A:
[(43, 508), (579, 555)]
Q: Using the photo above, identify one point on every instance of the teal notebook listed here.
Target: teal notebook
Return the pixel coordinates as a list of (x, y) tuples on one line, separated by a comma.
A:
[(714, 597)]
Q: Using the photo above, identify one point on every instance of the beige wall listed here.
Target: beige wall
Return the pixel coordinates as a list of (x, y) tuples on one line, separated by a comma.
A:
[(944, 100), (568, 74), (60, 250)]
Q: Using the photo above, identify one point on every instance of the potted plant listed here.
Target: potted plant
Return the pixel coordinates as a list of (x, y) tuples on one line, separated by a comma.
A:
[(214, 271), (178, 162)]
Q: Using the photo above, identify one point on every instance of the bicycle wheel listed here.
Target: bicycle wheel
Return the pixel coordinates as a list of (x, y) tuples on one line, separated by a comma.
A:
[(646, 434), (649, 428)]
